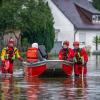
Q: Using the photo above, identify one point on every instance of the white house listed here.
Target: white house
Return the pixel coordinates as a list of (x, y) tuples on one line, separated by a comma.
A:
[(75, 20)]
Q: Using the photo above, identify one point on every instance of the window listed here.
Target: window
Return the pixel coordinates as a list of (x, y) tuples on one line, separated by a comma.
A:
[(90, 1), (82, 38), (99, 18), (96, 18)]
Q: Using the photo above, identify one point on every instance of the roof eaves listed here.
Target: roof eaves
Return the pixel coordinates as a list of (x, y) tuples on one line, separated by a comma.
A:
[(90, 11), (89, 29)]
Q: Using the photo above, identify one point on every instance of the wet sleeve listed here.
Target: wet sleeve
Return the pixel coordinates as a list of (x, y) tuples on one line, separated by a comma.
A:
[(71, 55), (3, 53), (60, 55), (85, 55), (17, 53)]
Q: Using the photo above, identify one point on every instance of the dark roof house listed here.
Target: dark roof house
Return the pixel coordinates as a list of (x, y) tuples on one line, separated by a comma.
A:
[(80, 12)]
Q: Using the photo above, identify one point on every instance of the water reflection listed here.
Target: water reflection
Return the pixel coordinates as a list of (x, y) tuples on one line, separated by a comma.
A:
[(20, 87), (33, 87), (81, 88), (7, 88), (97, 62), (74, 89), (26, 88), (67, 91)]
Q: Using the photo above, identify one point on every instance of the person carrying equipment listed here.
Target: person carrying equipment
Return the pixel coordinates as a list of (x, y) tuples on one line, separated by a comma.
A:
[(80, 60), (8, 55)]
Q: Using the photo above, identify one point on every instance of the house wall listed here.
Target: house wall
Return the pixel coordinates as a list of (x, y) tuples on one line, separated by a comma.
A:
[(90, 34), (62, 24), (66, 30), (57, 47), (11, 34)]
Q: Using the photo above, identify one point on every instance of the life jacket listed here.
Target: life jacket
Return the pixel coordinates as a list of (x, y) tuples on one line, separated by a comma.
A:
[(77, 56), (10, 53), (32, 54), (65, 54)]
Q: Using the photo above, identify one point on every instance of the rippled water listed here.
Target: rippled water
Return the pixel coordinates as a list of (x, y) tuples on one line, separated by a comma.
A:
[(19, 87)]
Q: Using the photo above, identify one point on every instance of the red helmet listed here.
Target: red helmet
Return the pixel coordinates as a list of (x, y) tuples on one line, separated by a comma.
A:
[(11, 41), (75, 43), (66, 43)]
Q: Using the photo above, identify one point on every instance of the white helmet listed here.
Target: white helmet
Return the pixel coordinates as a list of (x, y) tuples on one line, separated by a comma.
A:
[(35, 45)]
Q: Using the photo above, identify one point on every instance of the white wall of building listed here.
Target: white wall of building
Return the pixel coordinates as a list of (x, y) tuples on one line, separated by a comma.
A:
[(89, 35), (65, 29), (61, 23)]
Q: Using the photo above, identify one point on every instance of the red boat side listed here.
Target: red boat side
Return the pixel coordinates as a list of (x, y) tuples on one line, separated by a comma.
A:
[(68, 69), (34, 70)]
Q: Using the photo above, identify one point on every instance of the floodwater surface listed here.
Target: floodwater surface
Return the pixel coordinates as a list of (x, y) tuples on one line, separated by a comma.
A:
[(19, 87)]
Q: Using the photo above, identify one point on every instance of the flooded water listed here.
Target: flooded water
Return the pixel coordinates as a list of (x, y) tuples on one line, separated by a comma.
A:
[(18, 87)]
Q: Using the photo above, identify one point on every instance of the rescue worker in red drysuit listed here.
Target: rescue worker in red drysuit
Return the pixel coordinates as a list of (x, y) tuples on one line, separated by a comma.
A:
[(67, 54), (8, 55), (80, 60)]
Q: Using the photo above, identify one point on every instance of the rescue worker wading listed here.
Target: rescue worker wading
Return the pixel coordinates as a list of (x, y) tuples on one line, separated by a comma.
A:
[(8, 55), (67, 53), (80, 60)]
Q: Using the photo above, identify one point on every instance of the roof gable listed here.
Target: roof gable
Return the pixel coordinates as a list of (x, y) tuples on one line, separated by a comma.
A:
[(76, 12)]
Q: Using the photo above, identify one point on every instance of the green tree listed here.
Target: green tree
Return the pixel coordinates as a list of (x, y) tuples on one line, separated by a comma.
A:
[(96, 4), (40, 24), (9, 17), (96, 40), (32, 17)]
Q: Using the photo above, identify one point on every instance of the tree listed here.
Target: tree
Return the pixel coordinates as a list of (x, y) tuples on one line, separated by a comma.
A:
[(96, 4), (39, 26), (96, 41), (32, 17), (9, 14)]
